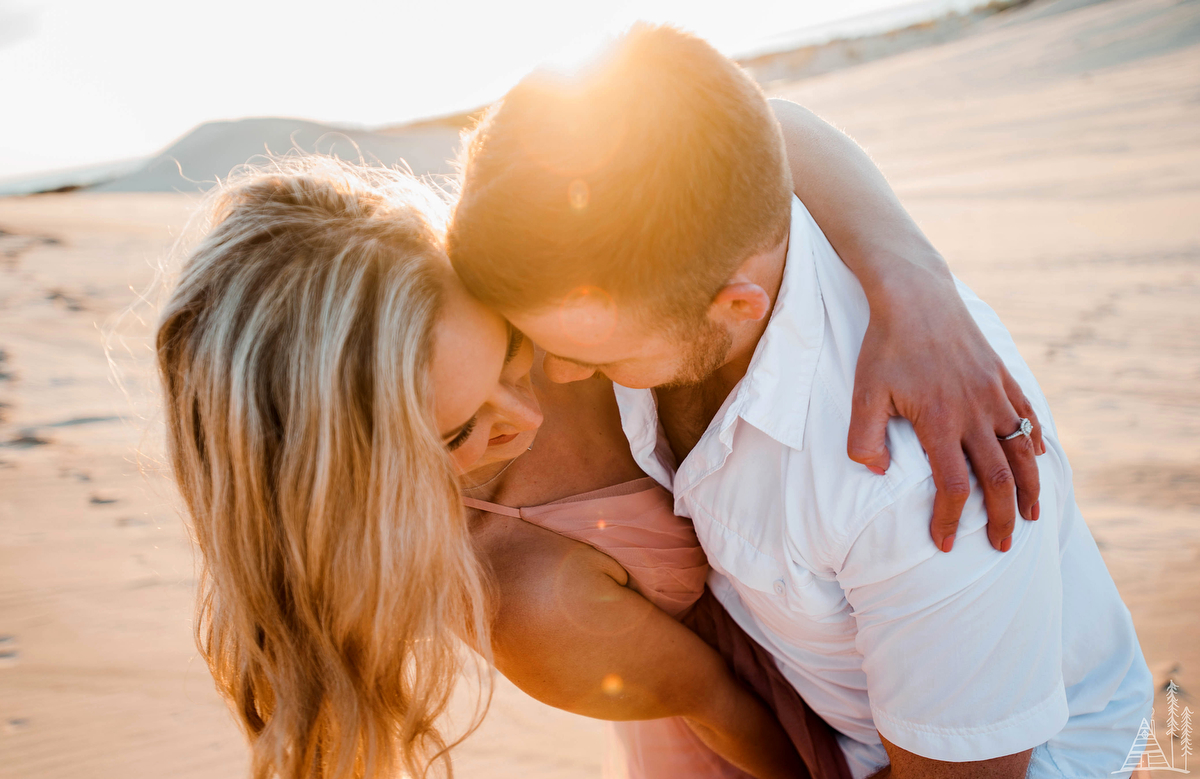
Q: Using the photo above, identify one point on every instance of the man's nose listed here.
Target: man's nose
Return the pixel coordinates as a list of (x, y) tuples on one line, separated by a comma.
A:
[(562, 371)]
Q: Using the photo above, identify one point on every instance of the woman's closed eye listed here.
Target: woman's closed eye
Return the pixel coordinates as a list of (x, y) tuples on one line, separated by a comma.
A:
[(515, 339), (463, 434)]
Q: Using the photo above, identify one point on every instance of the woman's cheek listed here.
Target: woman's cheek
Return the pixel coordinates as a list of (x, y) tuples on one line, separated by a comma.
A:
[(467, 456), (457, 457)]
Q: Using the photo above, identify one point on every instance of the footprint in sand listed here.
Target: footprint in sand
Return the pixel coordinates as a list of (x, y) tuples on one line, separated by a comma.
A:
[(15, 725), (26, 440), (13, 245), (1164, 672), (9, 651), (71, 302)]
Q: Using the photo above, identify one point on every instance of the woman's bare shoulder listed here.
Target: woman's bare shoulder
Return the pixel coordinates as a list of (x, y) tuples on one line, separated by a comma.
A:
[(536, 576), (528, 563)]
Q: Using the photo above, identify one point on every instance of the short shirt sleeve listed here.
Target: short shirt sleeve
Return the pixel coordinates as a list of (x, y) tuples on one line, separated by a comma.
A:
[(962, 651)]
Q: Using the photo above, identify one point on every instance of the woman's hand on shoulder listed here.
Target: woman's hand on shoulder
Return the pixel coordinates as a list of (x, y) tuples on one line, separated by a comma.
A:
[(923, 357)]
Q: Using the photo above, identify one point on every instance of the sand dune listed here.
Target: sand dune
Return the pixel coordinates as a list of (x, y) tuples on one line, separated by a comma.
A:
[(195, 161), (211, 150), (1053, 157), (208, 152)]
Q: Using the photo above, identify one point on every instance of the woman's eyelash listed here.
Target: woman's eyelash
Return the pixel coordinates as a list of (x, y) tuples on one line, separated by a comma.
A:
[(463, 435), (514, 345)]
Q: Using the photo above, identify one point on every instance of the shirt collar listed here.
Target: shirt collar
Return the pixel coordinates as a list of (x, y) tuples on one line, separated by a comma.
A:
[(774, 394), (647, 440)]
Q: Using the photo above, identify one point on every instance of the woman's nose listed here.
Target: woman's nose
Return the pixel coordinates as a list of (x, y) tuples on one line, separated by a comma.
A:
[(562, 371), (519, 407)]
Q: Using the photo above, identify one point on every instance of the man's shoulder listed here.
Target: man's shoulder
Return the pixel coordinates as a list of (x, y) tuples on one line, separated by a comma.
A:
[(810, 504)]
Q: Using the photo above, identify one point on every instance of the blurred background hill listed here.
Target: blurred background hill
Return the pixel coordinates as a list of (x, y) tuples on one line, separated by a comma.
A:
[(214, 148)]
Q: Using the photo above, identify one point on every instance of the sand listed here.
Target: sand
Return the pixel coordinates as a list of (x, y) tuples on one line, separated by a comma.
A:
[(1054, 160)]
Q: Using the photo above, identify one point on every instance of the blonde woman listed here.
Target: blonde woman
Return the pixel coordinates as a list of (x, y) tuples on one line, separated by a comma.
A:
[(331, 392)]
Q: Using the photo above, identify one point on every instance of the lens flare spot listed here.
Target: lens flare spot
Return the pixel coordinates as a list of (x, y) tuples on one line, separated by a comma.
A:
[(588, 316), (601, 524), (612, 684), (578, 194)]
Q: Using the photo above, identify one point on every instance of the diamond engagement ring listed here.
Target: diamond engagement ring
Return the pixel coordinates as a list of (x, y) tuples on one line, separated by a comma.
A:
[(1025, 428)]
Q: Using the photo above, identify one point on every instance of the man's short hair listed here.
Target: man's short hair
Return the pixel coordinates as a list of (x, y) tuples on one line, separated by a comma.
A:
[(652, 174)]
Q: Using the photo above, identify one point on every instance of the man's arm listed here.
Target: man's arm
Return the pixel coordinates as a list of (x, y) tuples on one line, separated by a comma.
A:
[(906, 765), (923, 357)]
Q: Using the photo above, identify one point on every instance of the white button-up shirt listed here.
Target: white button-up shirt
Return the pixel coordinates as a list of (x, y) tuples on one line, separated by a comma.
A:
[(963, 656)]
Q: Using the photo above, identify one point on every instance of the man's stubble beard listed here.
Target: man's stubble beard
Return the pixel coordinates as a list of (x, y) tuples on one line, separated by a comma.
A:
[(706, 352)]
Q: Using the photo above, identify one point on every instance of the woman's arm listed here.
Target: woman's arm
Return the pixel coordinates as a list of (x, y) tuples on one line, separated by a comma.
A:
[(959, 402), (569, 634)]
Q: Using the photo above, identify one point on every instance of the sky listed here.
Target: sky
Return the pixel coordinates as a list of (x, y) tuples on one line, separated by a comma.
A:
[(86, 81)]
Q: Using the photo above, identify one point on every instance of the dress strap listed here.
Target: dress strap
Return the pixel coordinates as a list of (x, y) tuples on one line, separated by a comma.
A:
[(493, 508)]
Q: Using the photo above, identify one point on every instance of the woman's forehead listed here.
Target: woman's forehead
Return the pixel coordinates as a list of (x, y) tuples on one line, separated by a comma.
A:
[(470, 342)]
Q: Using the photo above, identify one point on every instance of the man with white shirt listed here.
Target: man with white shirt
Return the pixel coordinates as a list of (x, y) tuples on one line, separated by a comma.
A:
[(1004, 663)]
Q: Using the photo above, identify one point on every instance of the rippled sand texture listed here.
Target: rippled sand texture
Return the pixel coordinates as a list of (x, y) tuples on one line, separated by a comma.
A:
[(1055, 160)]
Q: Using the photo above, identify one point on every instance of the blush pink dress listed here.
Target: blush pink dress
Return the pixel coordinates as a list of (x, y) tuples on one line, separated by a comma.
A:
[(635, 524)]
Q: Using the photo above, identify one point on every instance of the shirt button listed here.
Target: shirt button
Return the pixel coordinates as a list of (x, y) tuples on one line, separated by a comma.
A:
[(779, 586)]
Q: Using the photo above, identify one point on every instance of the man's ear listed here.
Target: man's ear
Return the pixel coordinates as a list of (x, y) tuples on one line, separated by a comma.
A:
[(740, 301)]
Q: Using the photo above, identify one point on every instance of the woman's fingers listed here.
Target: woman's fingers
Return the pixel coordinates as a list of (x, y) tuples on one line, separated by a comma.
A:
[(869, 415), (957, 445), (1024, 410), (995, 477), (1022, 451), (1022, 459), (952, 477), (960, 402)]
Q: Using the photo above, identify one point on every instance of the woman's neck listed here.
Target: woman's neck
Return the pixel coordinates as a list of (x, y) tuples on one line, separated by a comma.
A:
[(484, 483)]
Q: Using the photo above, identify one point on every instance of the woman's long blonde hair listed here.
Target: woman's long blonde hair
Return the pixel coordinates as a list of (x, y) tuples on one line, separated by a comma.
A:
[(338, 573)]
